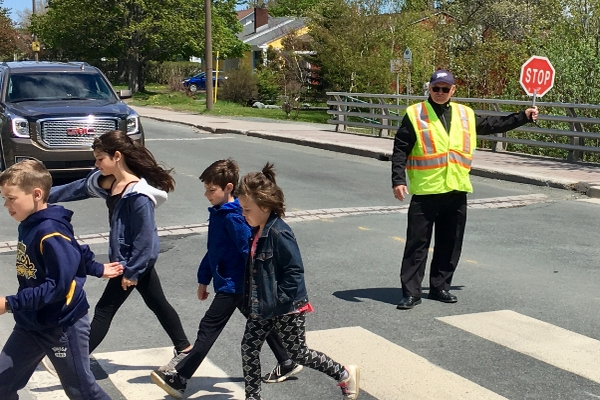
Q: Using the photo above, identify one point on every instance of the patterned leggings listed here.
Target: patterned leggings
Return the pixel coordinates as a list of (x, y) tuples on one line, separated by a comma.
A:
[(292, 330)]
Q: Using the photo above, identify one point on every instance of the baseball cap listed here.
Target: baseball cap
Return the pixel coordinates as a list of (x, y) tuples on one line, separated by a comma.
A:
[(441, 75)]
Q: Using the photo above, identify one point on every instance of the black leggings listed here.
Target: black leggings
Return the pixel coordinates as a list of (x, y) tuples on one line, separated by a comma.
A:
[(149, 287)]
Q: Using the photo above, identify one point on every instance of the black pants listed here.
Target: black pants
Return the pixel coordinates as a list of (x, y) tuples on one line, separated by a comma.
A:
[(448, 212), (216, 317), (149, 287)]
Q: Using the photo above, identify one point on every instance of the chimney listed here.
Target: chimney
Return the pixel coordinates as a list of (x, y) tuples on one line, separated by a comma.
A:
[(261, 19)]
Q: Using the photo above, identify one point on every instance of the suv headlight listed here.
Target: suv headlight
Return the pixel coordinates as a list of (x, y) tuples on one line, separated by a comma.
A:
[(133, 124), (20, 127)]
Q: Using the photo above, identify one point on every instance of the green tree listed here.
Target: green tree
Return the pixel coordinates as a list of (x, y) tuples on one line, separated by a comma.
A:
[(137, 31), (9, 38)]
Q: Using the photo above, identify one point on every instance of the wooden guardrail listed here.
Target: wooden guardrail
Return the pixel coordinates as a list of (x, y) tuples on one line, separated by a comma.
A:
[(381, 114)]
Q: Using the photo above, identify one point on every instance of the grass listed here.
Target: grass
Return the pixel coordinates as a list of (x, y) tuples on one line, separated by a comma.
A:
[(180, 101)]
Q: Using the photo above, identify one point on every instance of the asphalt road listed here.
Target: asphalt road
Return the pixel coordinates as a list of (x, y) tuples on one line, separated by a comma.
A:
[(538, 261)]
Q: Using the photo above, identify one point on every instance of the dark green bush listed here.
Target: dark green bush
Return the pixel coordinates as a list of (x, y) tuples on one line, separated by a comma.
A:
[(269, 86), (240, 86)]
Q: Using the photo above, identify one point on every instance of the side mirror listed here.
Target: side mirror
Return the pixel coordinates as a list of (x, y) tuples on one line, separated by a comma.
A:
[(125, 94)]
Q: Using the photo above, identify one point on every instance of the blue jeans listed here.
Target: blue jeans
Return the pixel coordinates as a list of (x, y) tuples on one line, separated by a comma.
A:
[(68, 350)]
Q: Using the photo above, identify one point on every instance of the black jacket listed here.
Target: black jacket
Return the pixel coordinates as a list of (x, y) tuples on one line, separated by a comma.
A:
[(406, 136)]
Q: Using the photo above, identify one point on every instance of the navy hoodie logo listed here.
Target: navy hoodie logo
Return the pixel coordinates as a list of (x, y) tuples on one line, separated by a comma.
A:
[(25, 267)]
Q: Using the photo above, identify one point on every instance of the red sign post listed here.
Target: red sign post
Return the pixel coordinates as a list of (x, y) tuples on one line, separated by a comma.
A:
[(537, 76)]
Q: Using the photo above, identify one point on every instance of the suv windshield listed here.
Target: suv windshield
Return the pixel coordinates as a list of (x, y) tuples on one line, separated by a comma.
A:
[(57, 86)]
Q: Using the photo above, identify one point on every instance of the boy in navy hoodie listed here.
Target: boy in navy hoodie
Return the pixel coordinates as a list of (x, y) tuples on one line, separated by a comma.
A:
[(224, 264), (50, 307)]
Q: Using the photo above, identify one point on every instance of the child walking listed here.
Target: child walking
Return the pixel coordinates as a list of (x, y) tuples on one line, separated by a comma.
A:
[(224, 263), (275, 293), (133, 184), (50, 307)]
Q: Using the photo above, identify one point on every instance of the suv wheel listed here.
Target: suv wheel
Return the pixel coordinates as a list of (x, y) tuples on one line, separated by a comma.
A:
[(193, 87)]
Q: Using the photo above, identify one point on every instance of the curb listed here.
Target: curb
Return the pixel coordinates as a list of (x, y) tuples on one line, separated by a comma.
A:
[(581, 187)]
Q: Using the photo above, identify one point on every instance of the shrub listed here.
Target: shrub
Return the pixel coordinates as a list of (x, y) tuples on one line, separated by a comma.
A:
[(162, 73), (268, 85), (240, 86)]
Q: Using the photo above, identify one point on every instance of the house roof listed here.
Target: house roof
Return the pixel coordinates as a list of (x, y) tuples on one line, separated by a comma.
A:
[(244, 13), (276, 29)]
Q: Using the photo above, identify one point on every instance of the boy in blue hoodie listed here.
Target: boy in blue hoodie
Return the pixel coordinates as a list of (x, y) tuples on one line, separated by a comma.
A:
[(50, 307), (224, 263)]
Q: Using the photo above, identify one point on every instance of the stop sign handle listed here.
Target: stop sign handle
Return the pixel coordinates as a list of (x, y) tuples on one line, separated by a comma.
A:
[(534, 97)]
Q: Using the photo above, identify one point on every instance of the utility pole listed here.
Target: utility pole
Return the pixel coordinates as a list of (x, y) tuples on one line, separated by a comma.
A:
[(208, 53), (34, 43)]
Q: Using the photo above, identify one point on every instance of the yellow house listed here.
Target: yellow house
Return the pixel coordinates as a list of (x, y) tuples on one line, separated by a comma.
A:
[(262, 31)]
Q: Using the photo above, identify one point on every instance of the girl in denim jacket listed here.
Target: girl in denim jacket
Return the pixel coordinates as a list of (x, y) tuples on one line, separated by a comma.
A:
[(275, 292)]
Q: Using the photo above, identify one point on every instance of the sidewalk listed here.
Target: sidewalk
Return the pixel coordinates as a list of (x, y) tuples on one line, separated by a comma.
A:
[(584, 178)]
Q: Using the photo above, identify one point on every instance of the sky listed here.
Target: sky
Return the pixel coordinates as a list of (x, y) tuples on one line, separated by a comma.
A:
[(16, 5)]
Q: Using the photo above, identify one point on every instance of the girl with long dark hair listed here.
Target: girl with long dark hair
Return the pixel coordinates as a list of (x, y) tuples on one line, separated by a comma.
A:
[(133, 184)]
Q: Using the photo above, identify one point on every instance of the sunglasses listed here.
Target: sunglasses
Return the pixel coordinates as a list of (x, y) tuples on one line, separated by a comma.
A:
[(443, 89)]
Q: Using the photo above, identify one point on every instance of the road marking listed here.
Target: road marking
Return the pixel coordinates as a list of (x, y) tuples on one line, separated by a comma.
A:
[(129, 371), (188, 139), (325, 214), (590, 200), (363, 228), (422, 380), (543, 341)]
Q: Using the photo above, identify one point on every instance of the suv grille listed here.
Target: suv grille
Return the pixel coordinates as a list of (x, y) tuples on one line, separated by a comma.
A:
[(73, 132)]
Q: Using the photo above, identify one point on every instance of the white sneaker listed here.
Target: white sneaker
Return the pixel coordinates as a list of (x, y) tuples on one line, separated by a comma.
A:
[(350, 385), (48, 366)]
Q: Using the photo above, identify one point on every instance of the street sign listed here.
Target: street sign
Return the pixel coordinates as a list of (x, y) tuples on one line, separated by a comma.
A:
[(407, 56), (396, 66), (35, 46), (537, 76)]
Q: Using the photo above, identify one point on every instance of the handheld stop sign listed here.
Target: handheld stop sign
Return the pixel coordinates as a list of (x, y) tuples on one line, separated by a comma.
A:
[(537, 76)]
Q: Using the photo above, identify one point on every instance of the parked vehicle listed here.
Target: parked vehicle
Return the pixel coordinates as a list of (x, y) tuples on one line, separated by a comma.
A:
[(53, 111), (198, 81)]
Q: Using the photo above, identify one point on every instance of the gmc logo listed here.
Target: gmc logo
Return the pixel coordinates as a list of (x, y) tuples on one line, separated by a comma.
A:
[(80, 131)]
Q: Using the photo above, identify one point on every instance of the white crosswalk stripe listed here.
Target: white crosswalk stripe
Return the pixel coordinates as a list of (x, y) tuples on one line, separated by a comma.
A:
[(543, 341), (129, 371)]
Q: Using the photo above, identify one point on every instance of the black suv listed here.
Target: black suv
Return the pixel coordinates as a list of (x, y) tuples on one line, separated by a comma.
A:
[(52, 112)]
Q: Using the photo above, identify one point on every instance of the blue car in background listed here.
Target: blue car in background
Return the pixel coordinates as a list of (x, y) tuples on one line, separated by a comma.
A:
[(198, 81)]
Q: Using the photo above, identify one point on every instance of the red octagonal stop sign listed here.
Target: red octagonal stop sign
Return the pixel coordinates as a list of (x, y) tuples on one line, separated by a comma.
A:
[(537, 76)]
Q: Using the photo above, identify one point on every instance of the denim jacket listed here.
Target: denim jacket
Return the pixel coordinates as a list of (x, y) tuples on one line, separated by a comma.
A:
[(275, 275), (133, 238)]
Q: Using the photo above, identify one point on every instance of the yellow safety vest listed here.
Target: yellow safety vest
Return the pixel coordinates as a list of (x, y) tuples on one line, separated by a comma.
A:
[(440, 162)]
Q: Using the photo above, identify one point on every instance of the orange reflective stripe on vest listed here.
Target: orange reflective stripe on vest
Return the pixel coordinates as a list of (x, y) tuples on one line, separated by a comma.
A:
[(423, 131), (427, 162), (464, 119), (462, 159)]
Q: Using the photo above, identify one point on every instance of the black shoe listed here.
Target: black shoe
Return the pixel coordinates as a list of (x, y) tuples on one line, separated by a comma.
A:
[(408, 302), (442, 295), (171, 382), (280, 373)]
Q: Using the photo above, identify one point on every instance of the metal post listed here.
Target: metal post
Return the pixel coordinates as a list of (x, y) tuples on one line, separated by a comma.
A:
[(33, 36), (398, 93), (208, 53), (216, 88), (408, 86)]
